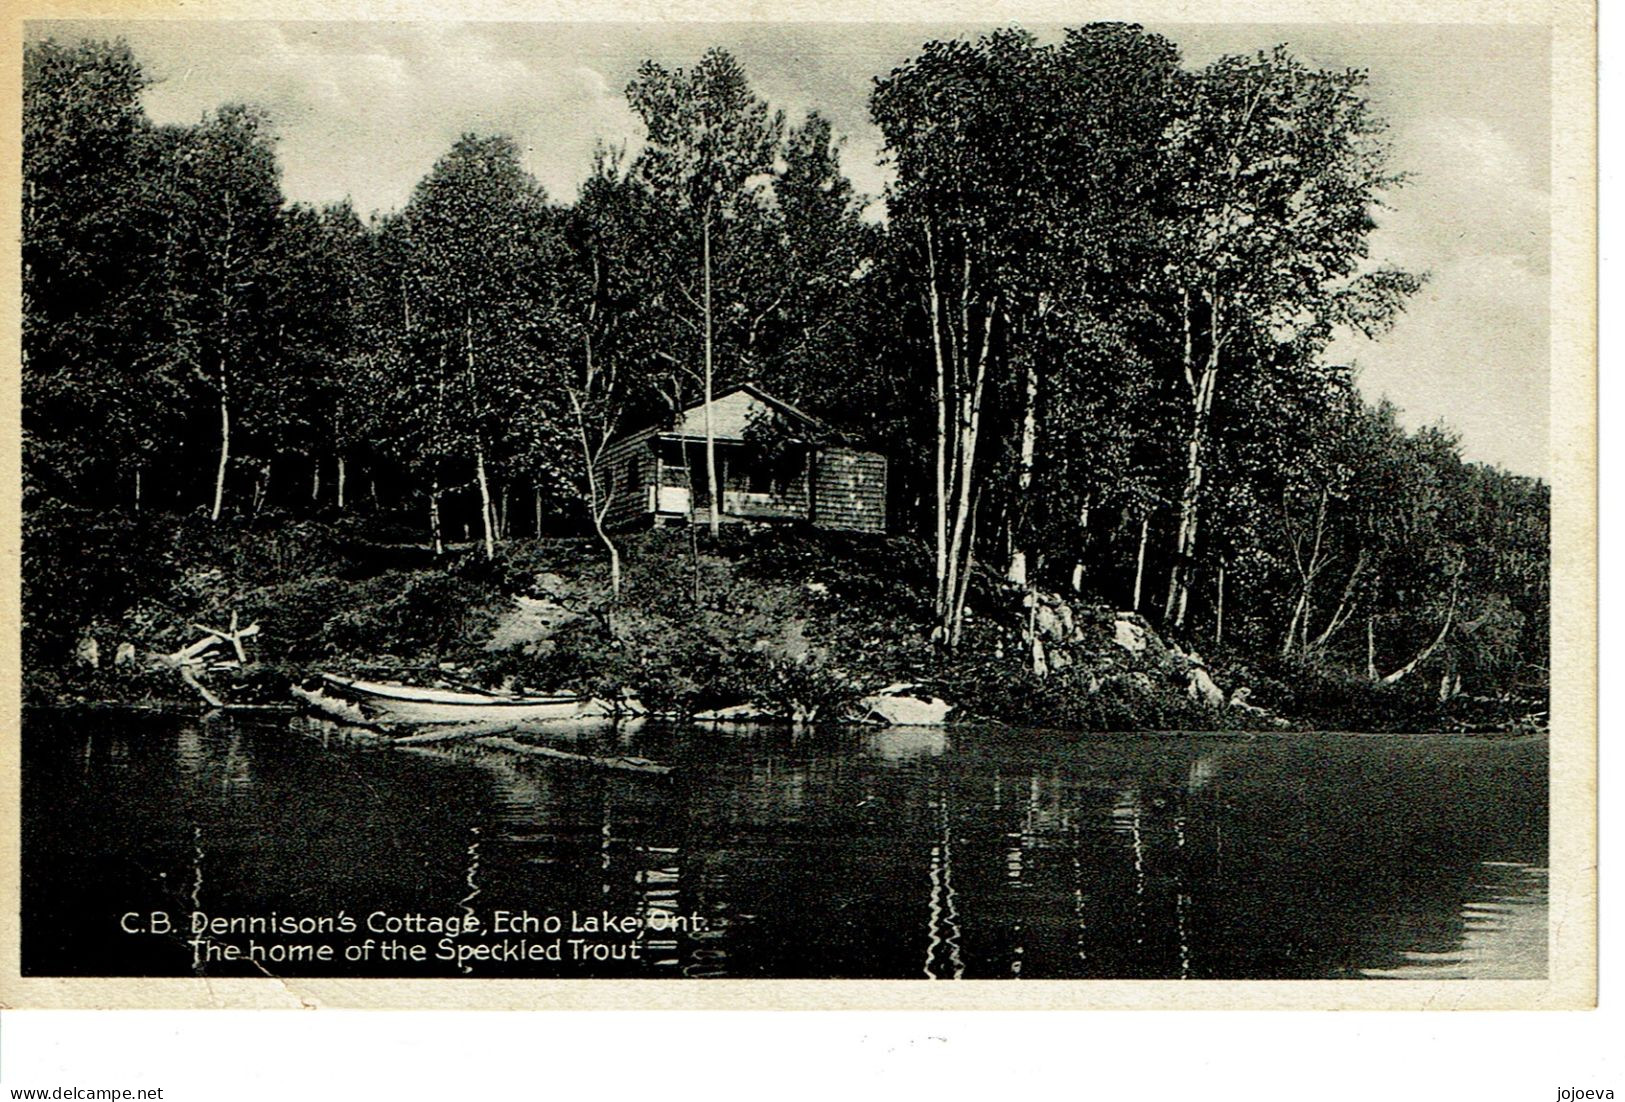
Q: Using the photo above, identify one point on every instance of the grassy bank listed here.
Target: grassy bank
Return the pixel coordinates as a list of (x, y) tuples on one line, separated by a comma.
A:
[(796, 621)]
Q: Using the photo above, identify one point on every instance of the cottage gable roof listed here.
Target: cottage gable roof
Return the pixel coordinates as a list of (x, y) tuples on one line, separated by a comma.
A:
[(733, 412)]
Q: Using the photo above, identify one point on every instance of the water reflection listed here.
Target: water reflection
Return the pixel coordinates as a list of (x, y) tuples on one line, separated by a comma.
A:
[(907, 743), (1504, 931), (897, 853), (943, 958)]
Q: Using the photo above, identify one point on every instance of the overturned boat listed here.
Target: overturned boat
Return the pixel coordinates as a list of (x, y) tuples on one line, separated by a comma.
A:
[(371, 703)]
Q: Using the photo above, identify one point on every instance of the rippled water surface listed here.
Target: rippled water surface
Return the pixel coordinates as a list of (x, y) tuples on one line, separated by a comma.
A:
[(973, 853)]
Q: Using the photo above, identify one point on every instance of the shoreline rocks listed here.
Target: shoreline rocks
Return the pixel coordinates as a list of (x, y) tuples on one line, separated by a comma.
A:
[(899, 706)]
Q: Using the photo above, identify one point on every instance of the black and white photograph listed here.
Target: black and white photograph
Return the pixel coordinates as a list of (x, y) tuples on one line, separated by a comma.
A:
[(758, 501)]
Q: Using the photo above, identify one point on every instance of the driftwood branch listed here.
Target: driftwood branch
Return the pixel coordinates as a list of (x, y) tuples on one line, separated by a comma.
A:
[(1427, 651), (216, 649)]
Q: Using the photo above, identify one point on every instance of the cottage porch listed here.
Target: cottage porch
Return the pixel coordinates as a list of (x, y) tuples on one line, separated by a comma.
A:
[(754, 486)]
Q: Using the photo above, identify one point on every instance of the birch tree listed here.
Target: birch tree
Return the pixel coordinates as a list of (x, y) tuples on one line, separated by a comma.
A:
[(1280, 168), (308, 406), (225, 201), (479, 252), (1094, 182), (710, 144), (610, 338), (1025, 175), (943, 116)]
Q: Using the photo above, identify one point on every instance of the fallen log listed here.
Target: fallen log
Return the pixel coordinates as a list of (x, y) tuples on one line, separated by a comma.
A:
[(624, 762), (209, 653)]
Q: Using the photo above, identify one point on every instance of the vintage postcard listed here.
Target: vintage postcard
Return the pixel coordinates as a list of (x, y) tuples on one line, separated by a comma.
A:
[(625, 507)]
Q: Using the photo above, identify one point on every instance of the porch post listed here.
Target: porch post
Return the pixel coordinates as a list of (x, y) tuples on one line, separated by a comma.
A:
[(652, 493), (721, 503)]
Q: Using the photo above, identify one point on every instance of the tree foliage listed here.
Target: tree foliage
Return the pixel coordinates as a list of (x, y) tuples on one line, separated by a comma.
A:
[(1088, 324)]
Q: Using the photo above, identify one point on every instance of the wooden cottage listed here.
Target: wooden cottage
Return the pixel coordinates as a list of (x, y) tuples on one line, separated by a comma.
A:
[(770, 467)]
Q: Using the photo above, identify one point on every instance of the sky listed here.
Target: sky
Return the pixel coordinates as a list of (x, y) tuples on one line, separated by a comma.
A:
[(362, 111)]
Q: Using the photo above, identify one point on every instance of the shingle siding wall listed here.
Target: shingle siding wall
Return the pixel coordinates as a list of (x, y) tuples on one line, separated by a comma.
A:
[(630, 466), (849, 490)]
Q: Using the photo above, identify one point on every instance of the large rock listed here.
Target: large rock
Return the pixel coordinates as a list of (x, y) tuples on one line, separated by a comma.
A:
[(88, 651), (900, 706), (1240, 700), (1201, 688), (1129, 634), (1047, 624), (1040, 662)]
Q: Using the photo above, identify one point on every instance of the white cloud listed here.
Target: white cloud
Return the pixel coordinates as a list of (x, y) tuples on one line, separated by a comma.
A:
[(1473, 347)]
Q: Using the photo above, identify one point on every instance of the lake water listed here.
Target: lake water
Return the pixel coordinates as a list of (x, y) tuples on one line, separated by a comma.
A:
[(967, 853)]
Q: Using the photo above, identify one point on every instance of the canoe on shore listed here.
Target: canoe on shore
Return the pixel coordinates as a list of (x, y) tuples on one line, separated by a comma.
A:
[(370, 703)]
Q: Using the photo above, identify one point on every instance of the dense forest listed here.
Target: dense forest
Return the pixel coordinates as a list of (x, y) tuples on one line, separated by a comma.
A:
[(1088, 324)]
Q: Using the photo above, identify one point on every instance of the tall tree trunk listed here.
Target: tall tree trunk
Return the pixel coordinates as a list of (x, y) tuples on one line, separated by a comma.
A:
[(1139, 562), (138, 487), (341, 473), (1083, 540), (614, 554), (1290, 639), (1024, 478), (957, 612), (599, 510), (1344, 608), (1218, 616), (693, 529), (1202, 389), (537, 492), (942, 400), (1185, 538), (961, 545), (1309, 571), (600, 495), (316, 478), (485, 501), (710, 438), (479, 444), (434, 518), (1186, 574), (262, 487), (1035, 645), (225, 445)]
